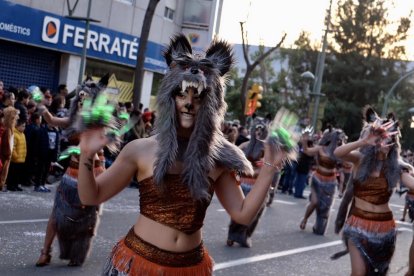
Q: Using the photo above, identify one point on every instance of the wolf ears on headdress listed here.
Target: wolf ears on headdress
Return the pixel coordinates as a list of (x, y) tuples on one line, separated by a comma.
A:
[(219, 54), (369, 115)]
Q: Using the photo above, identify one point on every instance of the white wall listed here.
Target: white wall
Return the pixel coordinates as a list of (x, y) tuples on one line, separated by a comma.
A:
[(69, 70)]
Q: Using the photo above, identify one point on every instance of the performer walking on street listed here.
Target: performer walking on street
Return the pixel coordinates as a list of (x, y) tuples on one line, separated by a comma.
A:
[(324, 179), (369, 232), (73, 222), (254, 151), (179, 169)]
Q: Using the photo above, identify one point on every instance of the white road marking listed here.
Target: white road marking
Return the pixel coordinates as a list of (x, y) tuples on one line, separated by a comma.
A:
[(403, 222), (274, 255), (284, 202), (403, 229), (277, 201), (22, 221)]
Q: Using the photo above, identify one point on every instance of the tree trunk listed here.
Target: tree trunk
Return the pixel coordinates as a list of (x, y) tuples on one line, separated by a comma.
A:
[(250, 67), (142, 48)]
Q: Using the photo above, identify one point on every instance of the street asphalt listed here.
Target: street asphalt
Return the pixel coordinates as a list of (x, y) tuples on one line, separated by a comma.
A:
[(279, 246)]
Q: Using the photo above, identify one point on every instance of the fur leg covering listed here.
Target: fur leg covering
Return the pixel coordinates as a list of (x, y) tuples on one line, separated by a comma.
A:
[(241, 233), (75, 223), (325, 193)]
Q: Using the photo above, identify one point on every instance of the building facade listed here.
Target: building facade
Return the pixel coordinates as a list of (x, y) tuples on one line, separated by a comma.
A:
[(41, 41)]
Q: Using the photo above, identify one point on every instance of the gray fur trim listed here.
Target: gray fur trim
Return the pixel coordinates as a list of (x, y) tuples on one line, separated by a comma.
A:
[(369, 163), (255, 148), (93, 90), (232, 157), (75, 226), (330, 141), (205, 147), (393, 164)]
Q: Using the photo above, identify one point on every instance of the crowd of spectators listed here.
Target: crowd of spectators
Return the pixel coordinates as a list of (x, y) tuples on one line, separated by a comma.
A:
[(30, 148)]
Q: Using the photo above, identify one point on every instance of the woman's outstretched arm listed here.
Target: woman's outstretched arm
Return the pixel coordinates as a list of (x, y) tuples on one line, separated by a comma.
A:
[(93, 191), (243, 210)]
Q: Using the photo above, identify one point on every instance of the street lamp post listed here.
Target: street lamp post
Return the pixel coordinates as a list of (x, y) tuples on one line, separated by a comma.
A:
[(390, 92), (87, 19), (319, 71), (411, 112), (309, 77)]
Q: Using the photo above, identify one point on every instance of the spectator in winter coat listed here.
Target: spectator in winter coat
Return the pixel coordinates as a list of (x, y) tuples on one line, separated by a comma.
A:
[(17, 168)]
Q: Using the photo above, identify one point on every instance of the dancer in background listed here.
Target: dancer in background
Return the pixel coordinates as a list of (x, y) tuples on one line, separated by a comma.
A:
[(369, 232), (409, 205), (324, 179), (73, 222), (179, 168), (254, 151)]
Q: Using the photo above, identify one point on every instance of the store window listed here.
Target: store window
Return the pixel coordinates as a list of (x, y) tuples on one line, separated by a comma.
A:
[(100, 68), (156, 83), (169, 13), (197, 13)]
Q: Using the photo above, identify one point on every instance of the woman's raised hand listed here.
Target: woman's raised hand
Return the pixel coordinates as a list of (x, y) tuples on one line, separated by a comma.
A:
[(92, 140), (275, 156), (281, 143), (378, 133)]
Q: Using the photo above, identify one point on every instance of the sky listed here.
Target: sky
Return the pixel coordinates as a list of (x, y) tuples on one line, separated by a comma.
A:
[(267, 20)]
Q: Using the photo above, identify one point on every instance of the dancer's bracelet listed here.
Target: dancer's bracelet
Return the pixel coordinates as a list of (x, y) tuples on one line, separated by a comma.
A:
[(278, 168)]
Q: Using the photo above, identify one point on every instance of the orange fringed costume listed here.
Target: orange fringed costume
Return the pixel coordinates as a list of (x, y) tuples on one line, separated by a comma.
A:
[(174, 208), (374, 234)]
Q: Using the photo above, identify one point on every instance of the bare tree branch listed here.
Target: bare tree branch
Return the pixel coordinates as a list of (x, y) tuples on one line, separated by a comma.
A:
[(245, 44), (250, 67)]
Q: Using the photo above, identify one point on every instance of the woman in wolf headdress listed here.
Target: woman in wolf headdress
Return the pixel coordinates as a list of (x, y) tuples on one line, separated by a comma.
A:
[(254, 150), (74, 223), (178, 169), (369, 232), (324, 179)]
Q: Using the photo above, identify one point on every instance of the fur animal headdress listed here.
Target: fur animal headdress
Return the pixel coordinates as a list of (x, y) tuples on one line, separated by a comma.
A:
[(331, 139), (90, 90), (207, 146), (369, 162), (255, 147)]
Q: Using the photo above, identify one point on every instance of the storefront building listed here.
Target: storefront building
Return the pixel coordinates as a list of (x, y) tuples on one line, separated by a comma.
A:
[(40, 45)]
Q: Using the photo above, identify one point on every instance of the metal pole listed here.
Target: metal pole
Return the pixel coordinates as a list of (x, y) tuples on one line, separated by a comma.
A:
[(319, 71), (390, 92), (85, 42)]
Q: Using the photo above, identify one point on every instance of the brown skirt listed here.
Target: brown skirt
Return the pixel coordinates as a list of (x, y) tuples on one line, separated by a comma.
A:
[(374, 235), (134, 256)]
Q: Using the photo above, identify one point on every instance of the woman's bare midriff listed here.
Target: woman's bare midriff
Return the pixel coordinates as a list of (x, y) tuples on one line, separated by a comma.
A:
[(369, 207), (165, 237)]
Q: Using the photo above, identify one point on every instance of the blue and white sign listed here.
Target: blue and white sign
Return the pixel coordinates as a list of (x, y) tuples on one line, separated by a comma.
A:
[(30, 26)]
